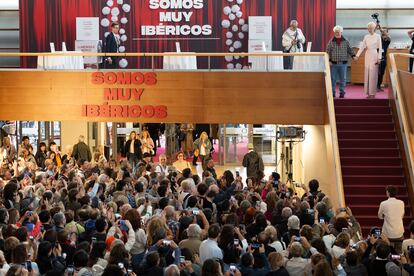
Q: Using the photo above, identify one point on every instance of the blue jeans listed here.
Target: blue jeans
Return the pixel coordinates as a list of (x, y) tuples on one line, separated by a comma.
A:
[(340, 71)]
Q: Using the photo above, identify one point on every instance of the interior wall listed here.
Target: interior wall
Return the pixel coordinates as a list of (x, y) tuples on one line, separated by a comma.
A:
[(70, 131)]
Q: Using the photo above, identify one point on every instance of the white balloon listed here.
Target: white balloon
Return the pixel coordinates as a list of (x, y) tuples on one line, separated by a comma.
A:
[(228, 58), (225, 23), (123, 63), (124, 20), (232, 16), (121, 49), (109, 3), (124, 38), (236, 57), (241, 21), (115, 11), (230, 66), (120, 2), (230, 1), (122, 31), (114, 18), (231, 49), (126, 7), (229, 42), (106, 34), (239, 14), (245, 28), (239, 2), (235, 28), (237, 44), (106, 10), (241, 35), (226, 10), (235, 8), (239, 66), (229, 34), (105, 22)]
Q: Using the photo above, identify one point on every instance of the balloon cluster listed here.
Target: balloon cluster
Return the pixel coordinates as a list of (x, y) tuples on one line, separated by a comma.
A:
[(236, 28), (116, 11)]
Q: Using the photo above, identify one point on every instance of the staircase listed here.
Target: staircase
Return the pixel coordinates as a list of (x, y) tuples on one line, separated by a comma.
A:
[(370, 158)]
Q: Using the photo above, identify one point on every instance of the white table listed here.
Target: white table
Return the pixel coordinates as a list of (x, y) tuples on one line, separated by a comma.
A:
[(180, 62), (309, 63), (61, 62), (274, 63)]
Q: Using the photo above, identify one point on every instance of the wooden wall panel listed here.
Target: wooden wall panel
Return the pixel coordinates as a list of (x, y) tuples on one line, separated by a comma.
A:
[(199, 97)]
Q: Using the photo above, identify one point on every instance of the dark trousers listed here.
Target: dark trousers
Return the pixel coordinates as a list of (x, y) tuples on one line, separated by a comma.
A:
[(381, 72), (288, 62), (411, 64)]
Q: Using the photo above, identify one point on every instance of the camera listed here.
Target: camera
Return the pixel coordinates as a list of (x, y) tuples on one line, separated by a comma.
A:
[(375, 16)]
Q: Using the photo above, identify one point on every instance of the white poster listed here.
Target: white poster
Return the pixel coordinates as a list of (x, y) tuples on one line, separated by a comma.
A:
[(87, 28), (260, 27), (89, 46)]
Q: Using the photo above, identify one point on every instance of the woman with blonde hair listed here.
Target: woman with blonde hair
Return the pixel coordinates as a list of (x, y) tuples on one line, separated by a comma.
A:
[(373, 55), (132, 150), (202, 148), (276, 262), (147, 144)]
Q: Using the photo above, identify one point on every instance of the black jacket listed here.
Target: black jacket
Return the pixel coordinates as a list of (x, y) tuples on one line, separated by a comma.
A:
[(254, 165), (111, 46), (40, 159), (137, 148)]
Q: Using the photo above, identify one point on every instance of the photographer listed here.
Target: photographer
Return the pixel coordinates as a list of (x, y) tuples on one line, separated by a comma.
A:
[(292, 42)]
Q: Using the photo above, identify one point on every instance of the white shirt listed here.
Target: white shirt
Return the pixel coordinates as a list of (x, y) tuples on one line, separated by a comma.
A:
[(392, 212), (288, 36), (210, 250)]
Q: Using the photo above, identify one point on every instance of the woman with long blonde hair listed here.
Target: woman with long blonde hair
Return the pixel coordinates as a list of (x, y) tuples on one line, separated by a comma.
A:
[(202, 148), (147, 144)]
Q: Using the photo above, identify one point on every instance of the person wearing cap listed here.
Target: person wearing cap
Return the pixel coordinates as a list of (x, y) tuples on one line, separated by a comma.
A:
[(253, 164)]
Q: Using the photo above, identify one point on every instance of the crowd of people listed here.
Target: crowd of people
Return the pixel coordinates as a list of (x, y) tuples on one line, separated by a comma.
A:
[(79, 214)]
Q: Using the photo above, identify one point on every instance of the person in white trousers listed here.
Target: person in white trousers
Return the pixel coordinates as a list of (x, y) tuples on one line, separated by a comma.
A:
[(373, 56)]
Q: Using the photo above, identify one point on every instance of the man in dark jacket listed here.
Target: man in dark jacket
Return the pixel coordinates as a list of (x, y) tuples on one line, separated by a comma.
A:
[(112, 42), (82, 150), (253, 163), (247, 262)]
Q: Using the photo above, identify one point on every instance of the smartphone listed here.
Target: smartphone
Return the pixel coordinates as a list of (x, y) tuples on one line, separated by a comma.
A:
[(297, 239), (93, 239), (377, 233), (395, 257), (321, 220), (311, 211), (410, 247), (182, 259), (70, 270), (117, 216), (255, 245), (166, 242), (121, 265), (29, 266), (237, 174), (287, 194), (345, 230), (31, 238), (354, 246), (236, 241), (342, 209), (195, 211), (232, 267)]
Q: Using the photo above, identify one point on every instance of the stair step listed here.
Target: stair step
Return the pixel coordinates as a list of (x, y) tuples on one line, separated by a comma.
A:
[(373, 220), (371, 143), (374, 180), (371, 152), (362, 199), (364, 118), (361, 102), (362, 110), (366, 161), (355, 189), (367, 210), (358, 126), (362, 134), (377, 170)]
